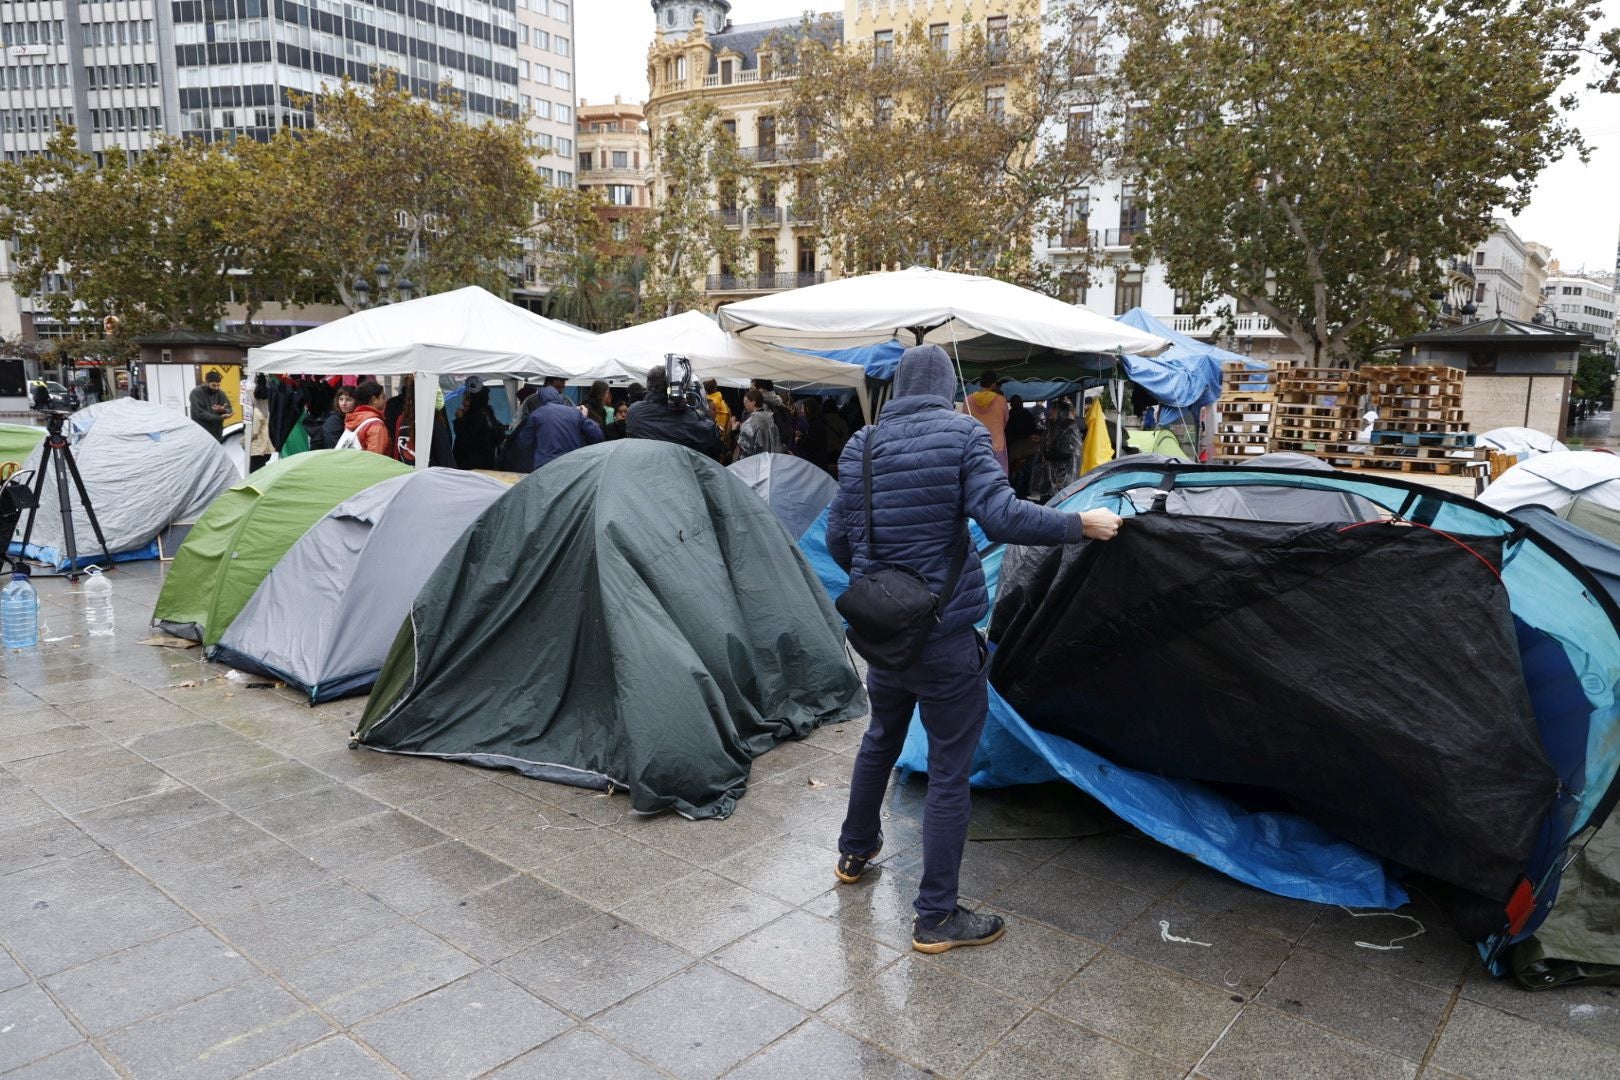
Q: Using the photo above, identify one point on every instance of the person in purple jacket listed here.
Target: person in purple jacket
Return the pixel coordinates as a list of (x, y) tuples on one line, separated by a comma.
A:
[(932, 469)]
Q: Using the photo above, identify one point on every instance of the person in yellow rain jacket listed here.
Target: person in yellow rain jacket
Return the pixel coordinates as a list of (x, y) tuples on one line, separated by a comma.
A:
[(1098, 447)]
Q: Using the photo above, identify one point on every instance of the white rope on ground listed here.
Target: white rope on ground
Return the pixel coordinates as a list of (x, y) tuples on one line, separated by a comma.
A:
[(1394, 943), (1166, 935)]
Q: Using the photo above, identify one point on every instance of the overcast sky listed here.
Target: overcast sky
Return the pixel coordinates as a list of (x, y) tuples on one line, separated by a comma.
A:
[(1575, 211)]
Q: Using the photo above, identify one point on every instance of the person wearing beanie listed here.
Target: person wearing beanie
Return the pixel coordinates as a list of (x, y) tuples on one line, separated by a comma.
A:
[(932, 469)]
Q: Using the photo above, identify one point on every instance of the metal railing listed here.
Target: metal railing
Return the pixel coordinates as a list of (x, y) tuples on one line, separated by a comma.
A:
[(1123, 237), (765, 214), (1073, 239), (1248, 324), (1463, 267), (765, 282), (731, 216), (779, 153)]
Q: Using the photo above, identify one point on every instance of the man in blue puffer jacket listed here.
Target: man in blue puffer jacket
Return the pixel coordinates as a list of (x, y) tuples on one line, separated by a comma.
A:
[(559, 427), (932, 469)]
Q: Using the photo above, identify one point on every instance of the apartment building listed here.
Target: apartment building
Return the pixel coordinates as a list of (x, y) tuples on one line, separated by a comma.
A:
[(1580, 301), (615, 158), (700, 54)]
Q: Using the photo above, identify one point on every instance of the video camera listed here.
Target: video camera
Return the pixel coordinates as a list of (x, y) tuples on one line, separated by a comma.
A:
[(684, 391)]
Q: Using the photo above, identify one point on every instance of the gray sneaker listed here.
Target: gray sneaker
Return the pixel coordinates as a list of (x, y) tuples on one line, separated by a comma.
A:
[(960, 927)]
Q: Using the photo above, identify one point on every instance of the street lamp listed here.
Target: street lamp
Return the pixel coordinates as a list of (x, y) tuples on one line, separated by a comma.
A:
[(401, 291)]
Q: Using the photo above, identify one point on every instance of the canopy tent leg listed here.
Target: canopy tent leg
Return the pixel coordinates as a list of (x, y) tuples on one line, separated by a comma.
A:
[(427, 393), (249, 403)]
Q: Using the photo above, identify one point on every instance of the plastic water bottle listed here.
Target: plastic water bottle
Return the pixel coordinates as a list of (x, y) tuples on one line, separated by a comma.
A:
[(19, 613), (98, 606)]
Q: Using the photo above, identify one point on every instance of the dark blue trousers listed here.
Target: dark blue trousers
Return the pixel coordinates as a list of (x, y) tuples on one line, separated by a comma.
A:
[(948, 682)]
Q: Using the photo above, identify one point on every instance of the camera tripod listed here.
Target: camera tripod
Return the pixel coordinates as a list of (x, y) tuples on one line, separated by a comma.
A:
[(58, 454)]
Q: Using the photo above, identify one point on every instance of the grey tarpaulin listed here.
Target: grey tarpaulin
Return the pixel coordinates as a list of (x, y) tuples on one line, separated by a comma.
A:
[(145, 467), (797, 490), (629, 616), (324, 618)]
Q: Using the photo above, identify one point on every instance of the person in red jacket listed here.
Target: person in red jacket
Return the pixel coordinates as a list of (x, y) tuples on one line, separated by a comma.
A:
[(366, 420)]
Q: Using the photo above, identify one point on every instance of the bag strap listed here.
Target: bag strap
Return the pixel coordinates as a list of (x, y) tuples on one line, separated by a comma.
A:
[(958, 557)]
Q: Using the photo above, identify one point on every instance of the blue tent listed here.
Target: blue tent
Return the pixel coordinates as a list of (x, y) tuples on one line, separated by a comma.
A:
[(1187, 374), (1569, 640), (879, 360)]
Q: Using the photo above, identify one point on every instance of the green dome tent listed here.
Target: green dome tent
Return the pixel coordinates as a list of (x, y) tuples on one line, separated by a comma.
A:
[(631, 616), (245, 531), (17, 442)]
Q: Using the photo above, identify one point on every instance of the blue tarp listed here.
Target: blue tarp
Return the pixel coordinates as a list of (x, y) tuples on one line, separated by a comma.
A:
[(879, 360), (1187, 374)]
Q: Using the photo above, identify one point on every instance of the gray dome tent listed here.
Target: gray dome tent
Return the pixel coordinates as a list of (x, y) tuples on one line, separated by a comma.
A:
[(631, 616), (145, 466), (797, 490), (324, 618)]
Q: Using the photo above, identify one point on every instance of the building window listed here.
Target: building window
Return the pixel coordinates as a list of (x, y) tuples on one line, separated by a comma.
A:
[(1077, 218), (1127, 291), (939, 37), (883, 112), (765, 129), (807, 254), (995, 102), (767, 257), (996, 36), (585, 161), (1081, 129), (621, 194), (1479, 258), (883, 47), (1132, 212), (621, 159), (725, 73), (1083, 60), (669, 17)]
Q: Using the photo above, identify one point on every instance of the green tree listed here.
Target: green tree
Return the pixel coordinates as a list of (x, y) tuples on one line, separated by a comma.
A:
[(1594, 376), (596, 282), (699, 166), (949, 150), (152, 239), (1317, 158), (387, 178)]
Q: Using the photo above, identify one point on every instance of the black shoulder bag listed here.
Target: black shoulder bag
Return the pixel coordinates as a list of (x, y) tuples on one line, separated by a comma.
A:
[(891, 611)]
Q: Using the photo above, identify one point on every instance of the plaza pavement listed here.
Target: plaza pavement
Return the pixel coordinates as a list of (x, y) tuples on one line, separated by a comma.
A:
[(198, 879)]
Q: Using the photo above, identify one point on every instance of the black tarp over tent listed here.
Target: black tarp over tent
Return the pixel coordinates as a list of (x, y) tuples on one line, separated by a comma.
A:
[(1442, 689), (631, 616)]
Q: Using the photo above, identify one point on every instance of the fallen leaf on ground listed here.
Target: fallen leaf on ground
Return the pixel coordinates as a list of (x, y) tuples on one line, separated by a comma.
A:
[(169, 641), (189, 684)]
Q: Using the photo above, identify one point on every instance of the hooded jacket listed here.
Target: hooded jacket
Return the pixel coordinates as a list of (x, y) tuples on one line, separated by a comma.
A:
[(932, 469), (758, 435), (559, 427), (372, 436)]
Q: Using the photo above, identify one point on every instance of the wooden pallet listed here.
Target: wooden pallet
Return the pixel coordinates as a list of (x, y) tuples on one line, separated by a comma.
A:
[(1348, 447), (1386, 436), (1434, 466)]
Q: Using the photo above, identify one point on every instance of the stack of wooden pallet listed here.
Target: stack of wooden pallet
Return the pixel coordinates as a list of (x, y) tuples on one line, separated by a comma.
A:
[(1318, 412), (1420, 426), (1243, 413)]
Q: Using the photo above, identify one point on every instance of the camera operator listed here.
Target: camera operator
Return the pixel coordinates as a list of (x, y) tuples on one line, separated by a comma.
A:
[(664, 418)]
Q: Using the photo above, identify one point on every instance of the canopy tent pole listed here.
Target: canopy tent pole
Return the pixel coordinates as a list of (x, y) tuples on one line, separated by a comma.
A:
[(249, 403), (1119, 414), (427, 394)]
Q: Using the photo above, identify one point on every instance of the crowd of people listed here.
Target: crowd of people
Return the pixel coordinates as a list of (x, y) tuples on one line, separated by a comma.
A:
[(1037, 447)]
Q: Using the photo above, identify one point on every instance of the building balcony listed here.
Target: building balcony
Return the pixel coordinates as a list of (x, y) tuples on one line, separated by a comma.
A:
[(1076, 238), (765, 215), (765, 282), (780, 153), (1463, 267), (1246, 325), (1122, 237), (728, 216)]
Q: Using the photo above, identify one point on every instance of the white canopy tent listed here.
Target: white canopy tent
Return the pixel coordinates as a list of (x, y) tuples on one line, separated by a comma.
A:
[(981, 317), (1582, 486), (725, 358), (464, 332)]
